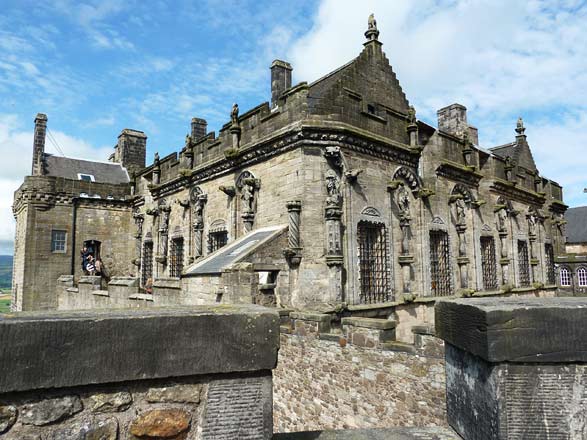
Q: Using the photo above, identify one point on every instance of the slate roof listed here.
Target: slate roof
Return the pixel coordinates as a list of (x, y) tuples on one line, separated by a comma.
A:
[(504, 150), (103, 172), (576, 224), (234, 251)]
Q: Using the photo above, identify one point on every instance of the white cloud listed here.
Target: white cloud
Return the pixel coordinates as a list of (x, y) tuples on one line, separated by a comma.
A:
[(499, 58), (16, 145)]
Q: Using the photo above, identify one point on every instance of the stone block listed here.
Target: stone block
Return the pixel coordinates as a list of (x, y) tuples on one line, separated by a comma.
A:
[(516, 329), (92, 429), (48, 411), (373, 323), (495, 401), (7, 417), (134, 344), (111, 402), (161, 424), (180, 393), (312, 322)]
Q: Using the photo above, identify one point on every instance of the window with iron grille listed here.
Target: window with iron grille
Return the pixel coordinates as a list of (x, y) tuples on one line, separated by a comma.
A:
[(58, 239), (488, 263), (216, 240), (582, 276), (373, 266), (565, 276), (523, 264), (176, 258), (549, 255), (147, 263), (440, 273)]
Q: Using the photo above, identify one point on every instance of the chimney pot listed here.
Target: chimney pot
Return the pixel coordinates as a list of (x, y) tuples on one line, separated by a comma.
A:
[(280, 79)]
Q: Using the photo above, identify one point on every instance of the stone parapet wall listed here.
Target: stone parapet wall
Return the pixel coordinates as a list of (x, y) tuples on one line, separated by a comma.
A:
[(161, 373)]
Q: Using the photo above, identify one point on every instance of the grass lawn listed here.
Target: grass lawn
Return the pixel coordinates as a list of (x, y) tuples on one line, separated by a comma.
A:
[(4, 301)]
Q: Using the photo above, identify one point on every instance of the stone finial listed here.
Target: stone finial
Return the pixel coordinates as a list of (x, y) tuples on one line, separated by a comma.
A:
[(520, 129), (372, 32)]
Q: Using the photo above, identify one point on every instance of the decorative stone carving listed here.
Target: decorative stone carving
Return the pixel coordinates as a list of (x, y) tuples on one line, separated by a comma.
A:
[(370, 211), (234, 114), (230, 191), (293, 251), (334, 156), (164, 211), (139, 220), (461, 215), (248, 187), (408, 176), (156, 169), (334, 198), (352, 175)]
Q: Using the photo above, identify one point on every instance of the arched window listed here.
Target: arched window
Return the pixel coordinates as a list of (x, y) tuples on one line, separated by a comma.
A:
[(582, 276), (565, 276)]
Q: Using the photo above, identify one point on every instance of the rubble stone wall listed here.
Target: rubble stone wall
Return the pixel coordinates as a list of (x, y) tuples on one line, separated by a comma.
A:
[(331, 384)]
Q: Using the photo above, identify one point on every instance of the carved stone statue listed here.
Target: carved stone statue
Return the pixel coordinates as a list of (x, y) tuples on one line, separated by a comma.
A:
[(188, 141), (403, 202), (248, 196), (372, 23), (199, 213), (333, 189), (532, 223), (461, 213), (412, 115), (156, 158), (234, 114), (501, 219)]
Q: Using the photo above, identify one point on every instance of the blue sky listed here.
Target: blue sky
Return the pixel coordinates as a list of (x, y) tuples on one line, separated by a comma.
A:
[(98, 66)]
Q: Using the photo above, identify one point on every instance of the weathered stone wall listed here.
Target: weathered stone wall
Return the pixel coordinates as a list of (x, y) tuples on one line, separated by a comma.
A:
[(117, 375), (332, 384)]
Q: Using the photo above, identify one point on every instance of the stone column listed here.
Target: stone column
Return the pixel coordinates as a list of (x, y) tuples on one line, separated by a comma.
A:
[(293, 252), (515, 367), (334, 257), (198, 225), (406, 259), (139, 220), (463, 259)]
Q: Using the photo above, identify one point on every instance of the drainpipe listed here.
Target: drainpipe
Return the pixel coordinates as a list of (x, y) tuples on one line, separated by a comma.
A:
[(73, 231)]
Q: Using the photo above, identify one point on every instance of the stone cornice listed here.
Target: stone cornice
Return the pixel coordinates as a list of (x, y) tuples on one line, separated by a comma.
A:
[(291, 137), (459, 173), (514, 192)]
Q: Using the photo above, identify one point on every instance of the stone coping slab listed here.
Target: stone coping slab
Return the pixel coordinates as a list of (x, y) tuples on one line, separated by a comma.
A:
[(124, 281), (167, 283), (435, 433), (89, 279), (516, 329), (63, 349), (309, 316), (374, 323)]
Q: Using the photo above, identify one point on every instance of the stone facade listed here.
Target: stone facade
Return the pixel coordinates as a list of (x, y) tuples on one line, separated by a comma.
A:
[(378, 208)]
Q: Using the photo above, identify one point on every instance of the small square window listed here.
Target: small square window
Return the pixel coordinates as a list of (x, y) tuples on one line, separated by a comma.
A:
[(58, 239), (86, 177)]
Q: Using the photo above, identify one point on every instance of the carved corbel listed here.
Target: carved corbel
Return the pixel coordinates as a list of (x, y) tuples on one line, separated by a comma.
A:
[(392, 185), (230, 190), (184, 203), (334, 156), (424, 193), (352, 175)]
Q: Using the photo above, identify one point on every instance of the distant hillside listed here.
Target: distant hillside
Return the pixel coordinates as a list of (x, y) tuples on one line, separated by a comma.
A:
[(5, 271)]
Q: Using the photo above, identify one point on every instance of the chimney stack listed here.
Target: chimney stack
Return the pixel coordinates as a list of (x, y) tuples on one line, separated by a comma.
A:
[(131, 150), (280, 80), (199, 128), (39, 144), (453, 120)]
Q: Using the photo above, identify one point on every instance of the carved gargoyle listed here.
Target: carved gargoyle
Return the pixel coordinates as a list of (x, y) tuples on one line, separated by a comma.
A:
[(230, 191)]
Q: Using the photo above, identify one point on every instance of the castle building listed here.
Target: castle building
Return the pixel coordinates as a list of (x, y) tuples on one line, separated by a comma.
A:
[(331, 195)]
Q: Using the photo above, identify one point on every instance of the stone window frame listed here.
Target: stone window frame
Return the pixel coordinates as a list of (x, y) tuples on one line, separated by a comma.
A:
[(387, 246), (582, 276), (564, 276), (176, 258), (62, 249), (217, 227)]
